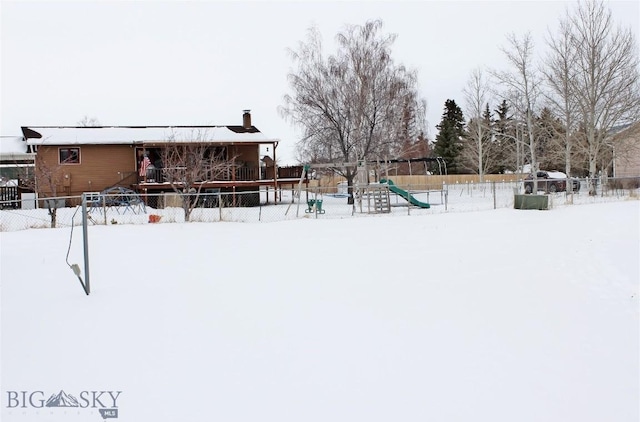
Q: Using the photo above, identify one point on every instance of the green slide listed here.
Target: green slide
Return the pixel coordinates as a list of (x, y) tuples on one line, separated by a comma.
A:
[(406, 195)]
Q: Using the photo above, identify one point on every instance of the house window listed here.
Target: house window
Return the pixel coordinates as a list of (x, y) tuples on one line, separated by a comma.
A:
[(69, 155)]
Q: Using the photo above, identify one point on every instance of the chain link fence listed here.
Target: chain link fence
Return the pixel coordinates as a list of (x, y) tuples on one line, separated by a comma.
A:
[(291, 204)]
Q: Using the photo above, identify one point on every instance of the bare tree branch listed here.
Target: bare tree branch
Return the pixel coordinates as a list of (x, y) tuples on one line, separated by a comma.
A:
[(191, 161), (46, 180), (353, 105), (523, 88), (478, 148), (87, 121), (605, 82)]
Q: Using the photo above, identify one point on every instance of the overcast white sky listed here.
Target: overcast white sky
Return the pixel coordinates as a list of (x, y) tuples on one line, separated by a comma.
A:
[(203, 62)]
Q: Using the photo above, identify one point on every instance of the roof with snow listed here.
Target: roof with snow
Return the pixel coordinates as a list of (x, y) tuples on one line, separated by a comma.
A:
[(114, 135), (13, 148)]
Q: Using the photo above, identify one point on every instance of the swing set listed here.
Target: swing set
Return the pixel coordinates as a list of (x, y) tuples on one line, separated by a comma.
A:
[(362, 186)]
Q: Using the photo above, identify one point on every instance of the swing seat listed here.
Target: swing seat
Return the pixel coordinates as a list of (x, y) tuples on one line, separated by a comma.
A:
[(318, 206)]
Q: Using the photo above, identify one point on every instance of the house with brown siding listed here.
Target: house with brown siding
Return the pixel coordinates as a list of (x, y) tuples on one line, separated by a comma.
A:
[(92, 159), (626, 160)]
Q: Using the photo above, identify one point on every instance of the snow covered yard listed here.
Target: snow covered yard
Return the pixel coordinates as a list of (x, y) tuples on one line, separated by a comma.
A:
[(499, 315)]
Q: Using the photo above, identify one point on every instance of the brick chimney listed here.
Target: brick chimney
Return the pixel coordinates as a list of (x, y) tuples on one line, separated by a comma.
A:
[(246, 119)]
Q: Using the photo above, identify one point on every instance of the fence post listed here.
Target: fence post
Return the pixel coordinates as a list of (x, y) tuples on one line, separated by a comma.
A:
[(445, 189), (104, 208), (493, 189), (315, 203), (409, 199), (220, 205)]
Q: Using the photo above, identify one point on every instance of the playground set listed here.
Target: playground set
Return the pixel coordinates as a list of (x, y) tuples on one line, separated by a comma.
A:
[(377, 194), (370, 197)]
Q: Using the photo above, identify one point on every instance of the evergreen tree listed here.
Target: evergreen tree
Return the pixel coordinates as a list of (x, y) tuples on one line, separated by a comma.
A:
[(481, 153), (550, 143), (508, 146), (448, 142)]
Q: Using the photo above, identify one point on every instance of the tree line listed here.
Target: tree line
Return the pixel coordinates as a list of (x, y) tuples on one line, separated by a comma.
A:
[(560, 111)]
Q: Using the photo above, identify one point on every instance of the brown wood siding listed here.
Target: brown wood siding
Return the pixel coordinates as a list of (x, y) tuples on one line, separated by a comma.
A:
[(101, 166), (248, 154), (627, 164), (627, 157)]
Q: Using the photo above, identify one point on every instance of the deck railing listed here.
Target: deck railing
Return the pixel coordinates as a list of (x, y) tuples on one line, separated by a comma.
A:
[(9, 197), (286, 172), (158, 175)]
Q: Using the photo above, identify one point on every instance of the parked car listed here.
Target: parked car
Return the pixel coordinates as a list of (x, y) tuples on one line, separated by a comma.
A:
[(575, 184), (551, 182)]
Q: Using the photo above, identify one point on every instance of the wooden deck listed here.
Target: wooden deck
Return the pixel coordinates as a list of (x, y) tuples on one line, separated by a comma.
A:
[(273, 188), (228, 184), (243, 180)]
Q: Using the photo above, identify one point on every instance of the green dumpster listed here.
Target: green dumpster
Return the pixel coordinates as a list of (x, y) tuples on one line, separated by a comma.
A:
[(531, 202)]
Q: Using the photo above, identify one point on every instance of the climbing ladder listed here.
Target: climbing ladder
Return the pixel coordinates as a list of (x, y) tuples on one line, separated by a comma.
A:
[(378, 196)]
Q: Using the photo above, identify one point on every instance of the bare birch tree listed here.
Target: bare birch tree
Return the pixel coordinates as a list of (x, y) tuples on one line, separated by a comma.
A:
[(478, 148), (558, 70), (605, 82), (351, 105), (523, 87), (190, 162)]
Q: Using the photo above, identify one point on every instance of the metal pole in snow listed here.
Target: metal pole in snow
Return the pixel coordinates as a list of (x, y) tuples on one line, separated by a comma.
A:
[(85, 243)]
